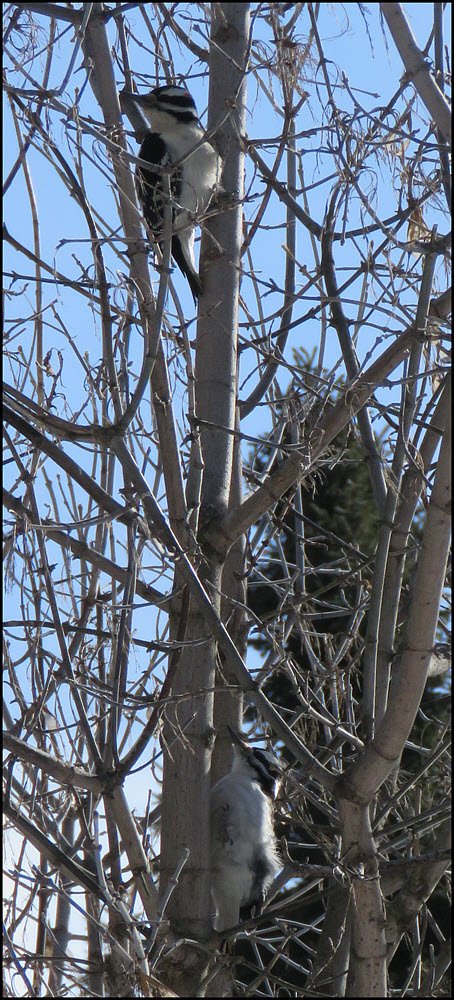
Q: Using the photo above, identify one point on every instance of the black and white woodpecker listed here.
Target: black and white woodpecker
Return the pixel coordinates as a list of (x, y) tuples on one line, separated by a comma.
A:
[(175, 137), (244, 854)]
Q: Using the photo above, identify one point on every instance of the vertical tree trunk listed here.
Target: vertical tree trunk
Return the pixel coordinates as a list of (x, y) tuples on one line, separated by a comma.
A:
[(188, 732)]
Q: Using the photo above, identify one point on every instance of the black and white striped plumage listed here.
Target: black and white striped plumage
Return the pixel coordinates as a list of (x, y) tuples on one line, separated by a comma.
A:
[(174, 133), (244, 855)]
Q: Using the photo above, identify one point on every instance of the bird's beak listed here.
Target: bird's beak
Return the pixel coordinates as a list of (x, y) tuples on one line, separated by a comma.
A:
[(145, 100), (236, 738)]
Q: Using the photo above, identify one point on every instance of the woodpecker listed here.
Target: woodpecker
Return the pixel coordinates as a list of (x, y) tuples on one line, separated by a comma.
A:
[(244, 855), (175, 137)]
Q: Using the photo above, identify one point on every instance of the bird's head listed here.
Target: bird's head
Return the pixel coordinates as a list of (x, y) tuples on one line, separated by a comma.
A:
[(166, 107), (260, 765)]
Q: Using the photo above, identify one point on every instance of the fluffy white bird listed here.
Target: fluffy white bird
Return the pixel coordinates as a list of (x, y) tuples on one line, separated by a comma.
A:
[(244, 855)]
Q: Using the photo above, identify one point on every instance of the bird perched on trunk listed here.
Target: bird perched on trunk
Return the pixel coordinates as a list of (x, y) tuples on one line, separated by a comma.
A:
[(175, 137), (244, 855)]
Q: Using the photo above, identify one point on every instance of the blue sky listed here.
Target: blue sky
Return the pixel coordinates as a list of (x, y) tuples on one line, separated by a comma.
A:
[(373, 70)]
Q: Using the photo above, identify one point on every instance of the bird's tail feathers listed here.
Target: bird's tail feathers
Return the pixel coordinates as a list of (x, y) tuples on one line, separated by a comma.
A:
[(181, 253)]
